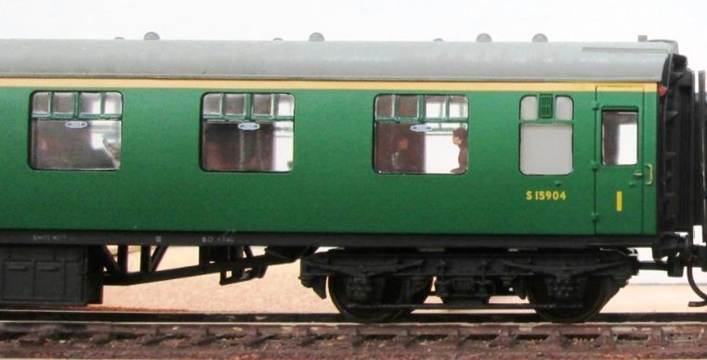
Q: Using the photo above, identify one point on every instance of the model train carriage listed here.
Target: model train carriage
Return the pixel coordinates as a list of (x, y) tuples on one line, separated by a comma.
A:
[(542, 163)]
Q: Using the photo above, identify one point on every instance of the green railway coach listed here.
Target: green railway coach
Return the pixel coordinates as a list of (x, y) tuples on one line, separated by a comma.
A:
[(478, 169)]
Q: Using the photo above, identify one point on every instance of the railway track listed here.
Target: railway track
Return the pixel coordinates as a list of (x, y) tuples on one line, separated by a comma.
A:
[(91, 334)]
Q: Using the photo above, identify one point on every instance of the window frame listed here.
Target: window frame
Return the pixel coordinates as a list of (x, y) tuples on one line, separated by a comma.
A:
[(52, 116), (420, 119), (634, 110), (539, 120), (248, 116)]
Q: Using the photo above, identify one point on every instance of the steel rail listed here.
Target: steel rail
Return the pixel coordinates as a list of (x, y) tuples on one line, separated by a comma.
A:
[(151, 316), (290, 340)]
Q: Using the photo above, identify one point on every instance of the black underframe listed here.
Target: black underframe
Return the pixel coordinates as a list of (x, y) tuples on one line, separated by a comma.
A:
[(155, 238), (243, 267)]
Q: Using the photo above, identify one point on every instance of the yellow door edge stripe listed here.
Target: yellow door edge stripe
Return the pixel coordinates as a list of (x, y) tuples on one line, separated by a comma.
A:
[(324, 85), (619, 201)]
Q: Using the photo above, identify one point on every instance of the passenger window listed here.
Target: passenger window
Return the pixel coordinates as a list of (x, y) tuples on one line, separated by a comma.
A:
[(90, 103), (435, 107), (529, 108), (40, 104), (285, 105), (458, 107), (211, 105), (247, 132), (64, 103), (234, 104), (545, 149), (421, 134), (564, 108), (620, 137), (112, 103), (263, 105), (408, 106), (546, 135), (63, 138), (384, 107)]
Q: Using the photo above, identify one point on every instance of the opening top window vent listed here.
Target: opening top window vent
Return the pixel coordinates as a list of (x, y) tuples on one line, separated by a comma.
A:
[(64, 104), (436, 108), (248, 107)]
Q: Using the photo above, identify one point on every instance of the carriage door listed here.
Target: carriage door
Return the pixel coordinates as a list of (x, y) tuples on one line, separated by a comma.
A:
[(620, 174)]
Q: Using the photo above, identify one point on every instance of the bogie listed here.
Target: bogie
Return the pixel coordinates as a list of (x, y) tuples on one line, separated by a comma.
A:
[(378, 286)]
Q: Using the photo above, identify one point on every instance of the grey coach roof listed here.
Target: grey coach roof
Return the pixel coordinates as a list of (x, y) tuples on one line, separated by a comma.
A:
[(449, 61)]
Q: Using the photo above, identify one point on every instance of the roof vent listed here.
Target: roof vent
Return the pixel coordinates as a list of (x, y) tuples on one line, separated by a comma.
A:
[(119, 38), (277, 39), (316, 36), (438, 40), (540, 38), (484, 38), (151, 36), (642, 38)]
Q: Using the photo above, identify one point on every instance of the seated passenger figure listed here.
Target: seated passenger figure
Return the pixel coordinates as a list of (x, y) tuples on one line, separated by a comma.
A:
[(460, 139), (219, 148), (403, 158)]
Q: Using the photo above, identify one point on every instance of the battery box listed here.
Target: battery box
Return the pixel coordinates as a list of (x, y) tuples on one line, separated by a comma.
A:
[(61, 275)]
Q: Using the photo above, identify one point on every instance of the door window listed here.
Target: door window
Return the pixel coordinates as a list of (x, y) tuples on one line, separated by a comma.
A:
[(619, 137)]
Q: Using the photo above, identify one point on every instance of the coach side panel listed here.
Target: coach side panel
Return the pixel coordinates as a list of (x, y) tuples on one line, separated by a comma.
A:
[(332, 187)]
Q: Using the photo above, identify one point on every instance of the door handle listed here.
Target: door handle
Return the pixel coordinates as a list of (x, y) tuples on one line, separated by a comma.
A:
[(650, 174)]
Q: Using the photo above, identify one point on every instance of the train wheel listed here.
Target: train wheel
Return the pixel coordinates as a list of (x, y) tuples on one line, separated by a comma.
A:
[(597, 291), (346, 292)]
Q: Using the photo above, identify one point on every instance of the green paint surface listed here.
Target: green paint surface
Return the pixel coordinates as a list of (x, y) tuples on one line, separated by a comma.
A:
[(332, 187)]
